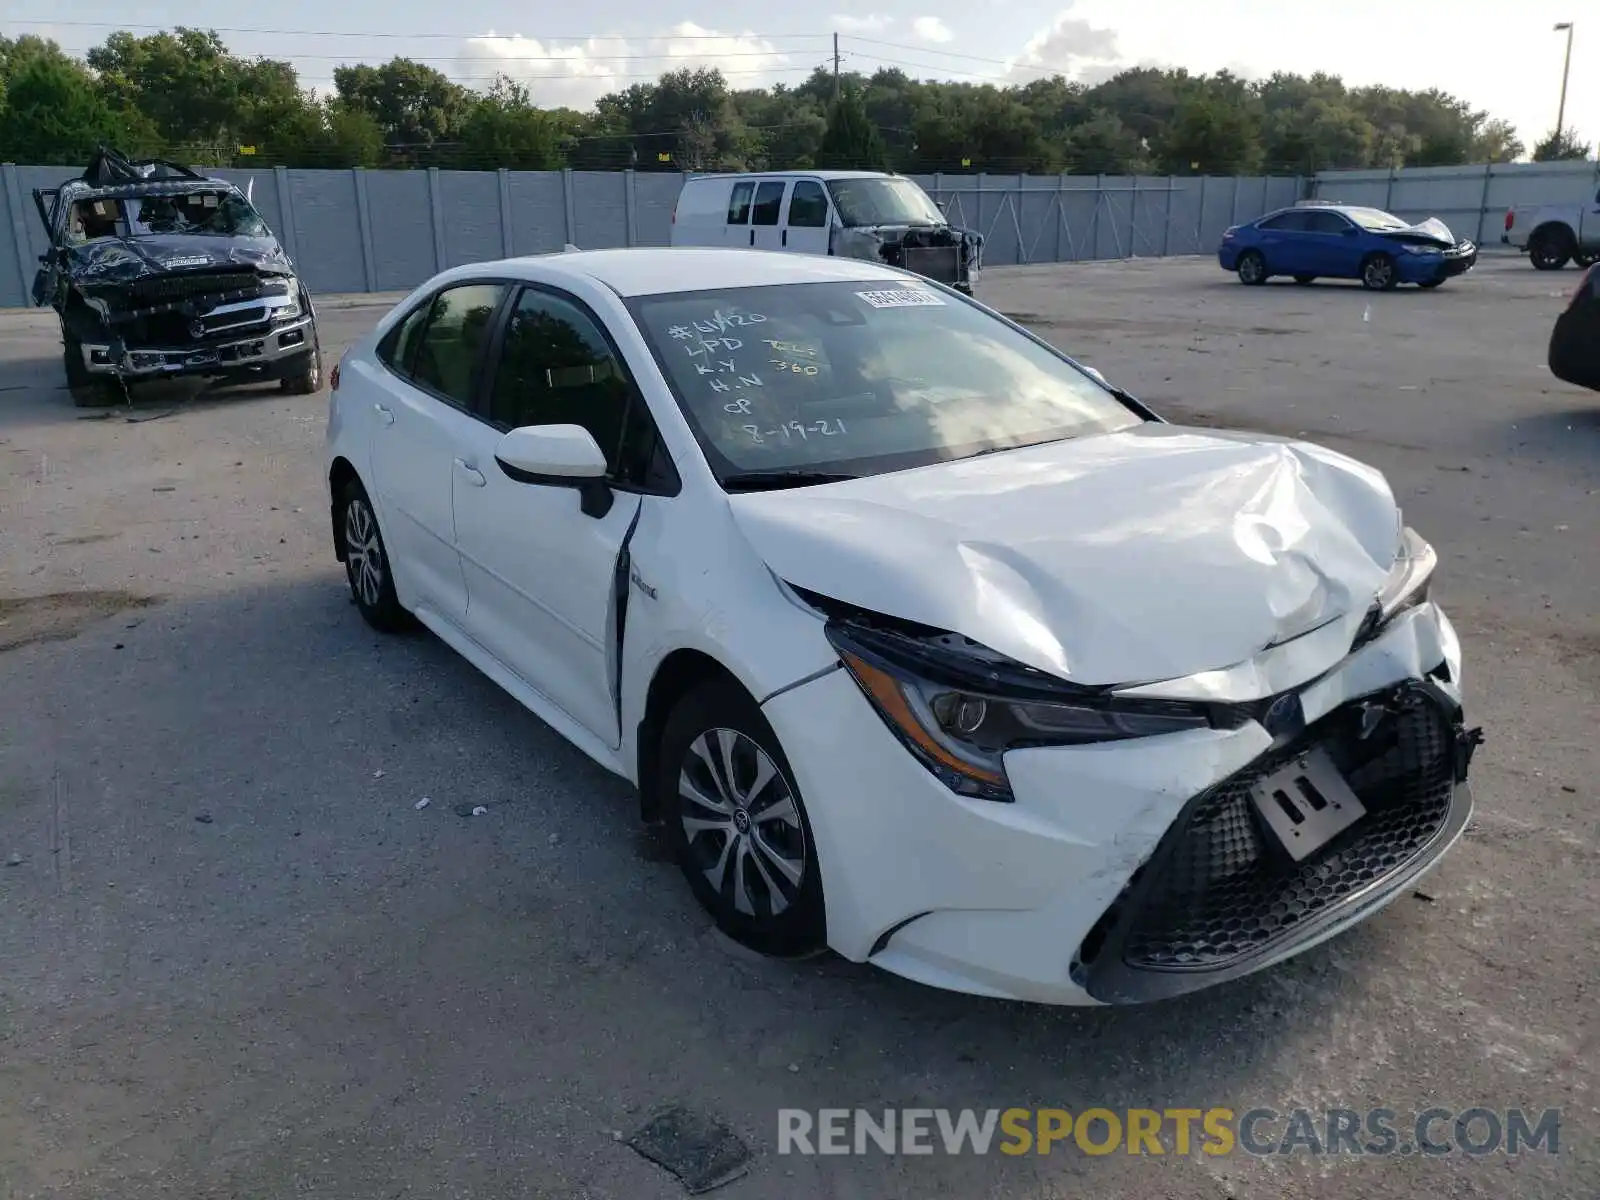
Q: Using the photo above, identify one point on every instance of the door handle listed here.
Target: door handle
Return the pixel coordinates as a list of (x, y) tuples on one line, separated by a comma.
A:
[(474, 476), (385, 415)]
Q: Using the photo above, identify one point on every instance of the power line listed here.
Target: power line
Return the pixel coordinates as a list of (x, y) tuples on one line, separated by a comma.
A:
[(940, 67), (999, 62), (461, 37), (520, 58)]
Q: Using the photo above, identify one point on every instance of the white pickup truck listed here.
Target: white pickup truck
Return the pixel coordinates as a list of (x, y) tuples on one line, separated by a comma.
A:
[(1554, 234)]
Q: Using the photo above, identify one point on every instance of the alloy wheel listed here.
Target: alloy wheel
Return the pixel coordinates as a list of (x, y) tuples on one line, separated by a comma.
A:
[(742, 823), (1378, 272), (363, 552)]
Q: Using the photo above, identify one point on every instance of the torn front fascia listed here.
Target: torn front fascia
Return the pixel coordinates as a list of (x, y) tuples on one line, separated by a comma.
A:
[(888, 244)]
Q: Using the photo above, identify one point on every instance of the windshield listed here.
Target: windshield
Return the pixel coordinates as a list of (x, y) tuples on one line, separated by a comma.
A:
[(883, 202), (861, 378), (1375, 219), (221, 213)]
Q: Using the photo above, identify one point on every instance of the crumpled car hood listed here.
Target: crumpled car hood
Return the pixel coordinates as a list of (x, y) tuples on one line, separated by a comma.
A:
[(1140, 556), (1432, 229), (122, 260)]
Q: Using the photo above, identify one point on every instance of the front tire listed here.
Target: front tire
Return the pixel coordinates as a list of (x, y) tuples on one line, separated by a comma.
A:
[(88, 390), (307, 378), (737, 825), (1430, 283), (366, 562), (1302, 280), (1252, 268), (1379, 273)]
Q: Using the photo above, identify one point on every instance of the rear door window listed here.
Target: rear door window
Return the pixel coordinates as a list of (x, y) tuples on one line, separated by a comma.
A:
[(447, 356), (769, 200), (1289, 222), (739, 204)]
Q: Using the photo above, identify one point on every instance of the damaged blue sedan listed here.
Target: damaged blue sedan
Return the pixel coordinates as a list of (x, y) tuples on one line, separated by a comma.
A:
[(1315, 240)]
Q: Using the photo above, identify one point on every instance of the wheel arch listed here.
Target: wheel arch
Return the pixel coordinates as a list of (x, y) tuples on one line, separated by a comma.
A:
[(675, 676), (1554, 228), (341, 473)]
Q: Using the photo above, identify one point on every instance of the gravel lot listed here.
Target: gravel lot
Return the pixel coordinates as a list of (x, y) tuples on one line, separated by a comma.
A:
[(236, 961)]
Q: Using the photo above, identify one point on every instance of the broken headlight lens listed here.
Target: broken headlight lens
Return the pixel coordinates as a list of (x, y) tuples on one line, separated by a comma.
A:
[(1409, 578), (962, 729)]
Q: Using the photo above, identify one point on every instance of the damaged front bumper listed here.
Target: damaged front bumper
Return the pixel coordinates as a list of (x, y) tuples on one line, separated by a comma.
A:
[(262, 348), (1135, 870)]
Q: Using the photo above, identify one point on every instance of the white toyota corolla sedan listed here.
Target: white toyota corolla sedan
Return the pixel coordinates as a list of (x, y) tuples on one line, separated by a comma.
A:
[(922, 641)]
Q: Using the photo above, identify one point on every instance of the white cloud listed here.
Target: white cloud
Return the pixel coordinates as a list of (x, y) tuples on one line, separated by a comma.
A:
[(577, 74), (932, 29), (871, 23), (1068, 46)]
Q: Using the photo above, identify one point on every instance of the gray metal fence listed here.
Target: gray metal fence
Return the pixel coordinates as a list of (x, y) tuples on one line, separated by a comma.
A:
[(366, 231), (1472, 200)]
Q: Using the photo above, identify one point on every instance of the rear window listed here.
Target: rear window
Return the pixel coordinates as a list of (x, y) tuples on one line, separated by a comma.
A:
[(861, 378)]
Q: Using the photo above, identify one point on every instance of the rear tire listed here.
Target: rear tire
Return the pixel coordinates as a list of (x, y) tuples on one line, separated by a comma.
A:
[(1551, 248), (366, 562), (1302, 280), (1252, 268), (87, 389), (741, 837), (1585, 258), (1379, 273)]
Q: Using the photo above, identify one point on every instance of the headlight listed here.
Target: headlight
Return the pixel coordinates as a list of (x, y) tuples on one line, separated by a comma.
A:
[(1409, 579), (1414, 249), (291, 309), (960, 713)]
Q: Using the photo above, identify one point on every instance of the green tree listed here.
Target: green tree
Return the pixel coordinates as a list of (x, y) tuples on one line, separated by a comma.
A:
[(1102, 145), (1210, 136), (1561, 144), (53, 114), (415, 106), (504, 129), (850, 141), (1497, 142)]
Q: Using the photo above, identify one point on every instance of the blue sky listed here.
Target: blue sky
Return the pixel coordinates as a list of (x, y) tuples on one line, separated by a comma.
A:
[(1504, 58)]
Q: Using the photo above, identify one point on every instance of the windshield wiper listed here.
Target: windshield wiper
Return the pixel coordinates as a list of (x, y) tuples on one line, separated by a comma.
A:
[(752, 481)]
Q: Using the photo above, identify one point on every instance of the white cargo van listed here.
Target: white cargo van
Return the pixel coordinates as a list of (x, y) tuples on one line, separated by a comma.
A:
[(852, 214)]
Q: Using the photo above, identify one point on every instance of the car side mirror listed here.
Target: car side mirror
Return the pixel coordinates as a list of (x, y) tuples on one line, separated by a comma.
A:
[(558, 456), (1351, 231)]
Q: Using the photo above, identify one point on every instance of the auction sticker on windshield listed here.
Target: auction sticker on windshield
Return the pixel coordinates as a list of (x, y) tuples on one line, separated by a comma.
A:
[(901, 298)]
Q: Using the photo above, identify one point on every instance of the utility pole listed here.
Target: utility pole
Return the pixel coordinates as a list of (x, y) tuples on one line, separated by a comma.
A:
[(836, 70), (1561, 112)]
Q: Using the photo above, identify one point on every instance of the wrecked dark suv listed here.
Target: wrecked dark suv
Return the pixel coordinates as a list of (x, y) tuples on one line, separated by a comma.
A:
[(157, 271)]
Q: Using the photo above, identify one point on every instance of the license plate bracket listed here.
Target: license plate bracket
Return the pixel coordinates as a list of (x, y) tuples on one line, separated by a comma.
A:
[(1306, 803)]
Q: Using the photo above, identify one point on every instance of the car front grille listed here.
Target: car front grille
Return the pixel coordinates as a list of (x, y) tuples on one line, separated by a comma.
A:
[(166, 288), (1218, 892)]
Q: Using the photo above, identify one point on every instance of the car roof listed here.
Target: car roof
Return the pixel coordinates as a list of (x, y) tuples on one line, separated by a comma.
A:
[(654, 270), (77, 189), (823, 175)]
